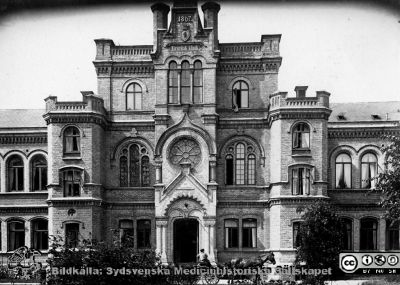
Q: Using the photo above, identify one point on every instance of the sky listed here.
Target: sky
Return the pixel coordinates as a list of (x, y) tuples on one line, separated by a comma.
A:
[(350, 50)]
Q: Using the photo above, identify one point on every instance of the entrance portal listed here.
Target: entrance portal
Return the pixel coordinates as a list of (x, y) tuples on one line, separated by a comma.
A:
[(186, 240)]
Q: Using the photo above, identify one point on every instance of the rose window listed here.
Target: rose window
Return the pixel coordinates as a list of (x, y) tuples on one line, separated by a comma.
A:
[(185, 151)]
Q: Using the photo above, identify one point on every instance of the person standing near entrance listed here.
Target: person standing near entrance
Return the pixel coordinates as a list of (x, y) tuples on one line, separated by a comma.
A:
[(202, 257)]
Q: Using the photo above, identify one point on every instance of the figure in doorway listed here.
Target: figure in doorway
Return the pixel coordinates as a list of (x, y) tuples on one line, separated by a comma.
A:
[(202, 258)]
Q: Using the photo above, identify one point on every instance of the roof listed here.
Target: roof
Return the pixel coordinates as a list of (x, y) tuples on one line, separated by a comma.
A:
[(22, 118), (364, 111)]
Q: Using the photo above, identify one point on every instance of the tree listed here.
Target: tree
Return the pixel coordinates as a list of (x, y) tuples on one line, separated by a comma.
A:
[(388, 180), (320, 239)]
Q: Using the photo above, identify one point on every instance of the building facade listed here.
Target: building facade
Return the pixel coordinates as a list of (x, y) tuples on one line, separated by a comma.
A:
[(188, 144)]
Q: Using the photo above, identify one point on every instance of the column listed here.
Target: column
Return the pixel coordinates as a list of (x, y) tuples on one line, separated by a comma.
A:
[(213, 167), (381, 242), (158, 238), (164, 243), (28, 233), (210, 245), (191, 86), (158, 164), (26, 176), (356, 234), (3, 236), (2, 176), (179, 86)]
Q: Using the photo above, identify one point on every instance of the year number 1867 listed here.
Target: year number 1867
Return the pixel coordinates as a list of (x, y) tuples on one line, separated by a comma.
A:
[(184, 19)]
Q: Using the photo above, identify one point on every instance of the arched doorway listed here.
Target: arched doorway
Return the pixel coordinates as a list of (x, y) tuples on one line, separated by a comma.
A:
[(186, 240)]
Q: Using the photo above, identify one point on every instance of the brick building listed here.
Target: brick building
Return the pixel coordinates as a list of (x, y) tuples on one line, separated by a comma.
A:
[(188, 144)]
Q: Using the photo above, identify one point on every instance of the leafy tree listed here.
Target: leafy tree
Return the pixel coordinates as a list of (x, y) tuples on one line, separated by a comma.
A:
[(388, 180), (320, 239)]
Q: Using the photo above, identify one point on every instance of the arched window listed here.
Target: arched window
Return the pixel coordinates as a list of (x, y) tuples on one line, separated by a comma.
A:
[(231, 233), (72, 235), (343, 171), (72, 145), (347, 233), (392, 235), (198, 82), (40, 235), (301, 181), (173, 83), (72, 182), (296, 234), (134, 97), (240, 164), (249, 233), (368, 234), (16, 234), (240, 95), (301, 136), (15, 173), (126, 232), (185, 82), (134, 166), (39, 173), (369, 169), (143, 233)]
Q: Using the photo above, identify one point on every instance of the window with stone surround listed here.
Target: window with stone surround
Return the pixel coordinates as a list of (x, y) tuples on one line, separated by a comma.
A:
[(369, 170), (126, 232), (301, 136), (134, 166), (143, 231), (72, 141), (240, 95), (72, 235), (343, 171), (392, 235), (301, 181), (240, 164), (368, 234), (347, 234), (39, 173), (15, 173), (72, 182), (296, 234), (16, 234), (249, 233), (40, 235), (197, 82), (231, 233), (133, 97), (173, 83)]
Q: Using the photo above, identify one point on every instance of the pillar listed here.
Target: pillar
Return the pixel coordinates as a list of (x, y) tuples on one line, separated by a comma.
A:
[(191, 86), (213, 169), (158, 164), (179, 87), (2, 175), (161, 230), (356, 234), (3, 236), (382, 234), (210, 243), (26, 175)]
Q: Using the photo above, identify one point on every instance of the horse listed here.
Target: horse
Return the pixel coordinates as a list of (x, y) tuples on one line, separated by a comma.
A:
[(257, 264)]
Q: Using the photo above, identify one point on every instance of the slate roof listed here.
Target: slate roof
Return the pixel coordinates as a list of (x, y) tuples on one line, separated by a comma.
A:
[(22, 118), (363, 111)]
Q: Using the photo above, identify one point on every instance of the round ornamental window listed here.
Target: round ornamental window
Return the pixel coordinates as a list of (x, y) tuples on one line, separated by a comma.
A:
[(185, 151)]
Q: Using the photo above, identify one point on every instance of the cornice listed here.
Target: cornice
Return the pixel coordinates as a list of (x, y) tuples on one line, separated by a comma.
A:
[(249, 67), (361, 132), (71, 118), (23, 138), (23, 209), (304, 113), (130, 205), (254, 123), (246, 204), (75, 202)]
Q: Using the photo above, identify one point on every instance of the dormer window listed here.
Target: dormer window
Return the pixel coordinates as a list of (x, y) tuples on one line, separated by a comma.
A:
[(341, 117), (376, 117)]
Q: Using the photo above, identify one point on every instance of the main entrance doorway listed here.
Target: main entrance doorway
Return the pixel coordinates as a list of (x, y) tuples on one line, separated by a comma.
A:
[(186, 240)]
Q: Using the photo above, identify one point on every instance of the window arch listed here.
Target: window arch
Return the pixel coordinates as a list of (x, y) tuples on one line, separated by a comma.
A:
[(301, 136), (185, 82), (369, 170), (240, 164), (133, 96), (15, 173), (343, 171), (134, 166), (368, 234), (198, 82), (16, 234), (72, 144), (240, 95), (173, 83), (40, 234), (347, 234), (39, 173)]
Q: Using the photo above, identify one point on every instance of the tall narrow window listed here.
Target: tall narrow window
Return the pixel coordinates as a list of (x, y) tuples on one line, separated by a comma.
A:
[(392, 235), (126, 232), (134, 166), (296, 234), (143, 233), (40, 236), (39, 173), (240, 164), (369, 169), (240, 157), (249, 233), (231, 233), (72, 235), (185, 82), (368, 234), (229, 169), (72, 182), (15, 171), (72, 141), (251, 169), (240, 95), (16, 234), (301, 136), (134, 97), (198, 82), (347, 234), (343, 171), (173, 83), (301, 180)]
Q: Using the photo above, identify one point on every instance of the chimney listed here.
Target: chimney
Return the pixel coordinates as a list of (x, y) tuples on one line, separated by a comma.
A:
[(300, 91), (210, 10), (160, 20)]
